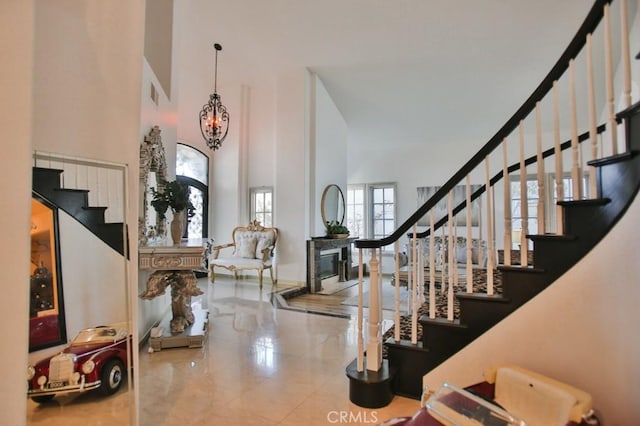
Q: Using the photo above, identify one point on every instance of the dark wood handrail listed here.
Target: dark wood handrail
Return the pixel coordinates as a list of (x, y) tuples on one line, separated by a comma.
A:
[(589, 25), (498, 176)]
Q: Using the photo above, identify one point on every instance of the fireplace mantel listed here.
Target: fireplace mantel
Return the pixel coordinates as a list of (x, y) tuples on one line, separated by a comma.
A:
[(315, 246)]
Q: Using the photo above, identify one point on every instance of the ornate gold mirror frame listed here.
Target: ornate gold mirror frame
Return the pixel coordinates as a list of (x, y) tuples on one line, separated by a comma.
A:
[(153, 174)]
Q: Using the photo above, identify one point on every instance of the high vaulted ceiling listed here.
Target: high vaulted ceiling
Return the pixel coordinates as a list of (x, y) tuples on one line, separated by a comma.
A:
[(401, 71)]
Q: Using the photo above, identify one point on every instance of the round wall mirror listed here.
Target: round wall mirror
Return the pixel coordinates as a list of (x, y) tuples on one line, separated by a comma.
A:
[(332, 206)]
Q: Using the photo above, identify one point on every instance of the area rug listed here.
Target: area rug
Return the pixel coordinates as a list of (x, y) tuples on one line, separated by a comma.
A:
[(479, 286)]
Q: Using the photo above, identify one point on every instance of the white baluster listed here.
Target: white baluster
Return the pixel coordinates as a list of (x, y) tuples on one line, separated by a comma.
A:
[(490, 237), (542, 188), (360, 355), (469, 238), (593, 132), (414, 295), (396, 313), (626, 54), (558, 160), (608, 61), (507, 204), (374, 345), (576, 181), (524, 200), (432, 265), (450, 258)]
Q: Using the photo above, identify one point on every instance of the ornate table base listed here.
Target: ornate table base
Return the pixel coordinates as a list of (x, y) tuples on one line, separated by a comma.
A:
[(173, 267), (193, 335)]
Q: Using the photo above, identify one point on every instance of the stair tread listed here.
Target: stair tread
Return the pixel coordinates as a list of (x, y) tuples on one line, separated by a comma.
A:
[(47, 170), (79, 191), (520, 268), (612, 159), (424, 319), (404, 343), (589, 202), (498, 298), (552, 237)]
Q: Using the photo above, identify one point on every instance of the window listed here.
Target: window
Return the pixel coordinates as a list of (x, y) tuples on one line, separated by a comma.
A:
[(192, 168), (262, 205), (356, 211), (371, 210), (383, 206)]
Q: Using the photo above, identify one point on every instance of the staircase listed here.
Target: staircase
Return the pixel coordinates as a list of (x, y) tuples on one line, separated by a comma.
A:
[(75, 202), (586, 222), (581, 224)]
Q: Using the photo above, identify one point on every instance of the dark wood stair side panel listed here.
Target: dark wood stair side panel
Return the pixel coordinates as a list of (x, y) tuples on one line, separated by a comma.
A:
[(112, 234), (73, 201), (45, 180), (91, 215)]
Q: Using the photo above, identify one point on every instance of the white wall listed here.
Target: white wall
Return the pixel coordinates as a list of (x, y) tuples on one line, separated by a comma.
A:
[(580, 330), (16, 73), (328, 146), (291, 143)]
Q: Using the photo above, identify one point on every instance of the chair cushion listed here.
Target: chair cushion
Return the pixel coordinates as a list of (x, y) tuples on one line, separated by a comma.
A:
[(265, 239), (239, 263), (245, 245)]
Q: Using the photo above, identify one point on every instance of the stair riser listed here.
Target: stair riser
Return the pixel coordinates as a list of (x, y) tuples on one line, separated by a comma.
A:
[(556, 255), (412, 365), (480, 315), (519, 287)]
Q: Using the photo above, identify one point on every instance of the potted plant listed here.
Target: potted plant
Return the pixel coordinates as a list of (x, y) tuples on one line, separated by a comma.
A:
[(336, 230), (176, 196)]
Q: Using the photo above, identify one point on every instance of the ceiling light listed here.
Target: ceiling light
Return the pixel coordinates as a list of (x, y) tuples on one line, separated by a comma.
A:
[(214, 118)]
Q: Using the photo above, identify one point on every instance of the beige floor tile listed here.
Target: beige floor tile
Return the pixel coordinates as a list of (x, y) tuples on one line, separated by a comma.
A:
[(259, 366)]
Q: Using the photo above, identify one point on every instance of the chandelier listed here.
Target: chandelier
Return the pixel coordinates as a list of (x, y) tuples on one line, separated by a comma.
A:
[(214, 118)]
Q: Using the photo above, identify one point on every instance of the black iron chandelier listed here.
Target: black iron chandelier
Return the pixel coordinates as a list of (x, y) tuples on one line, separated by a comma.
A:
[(214, 118)]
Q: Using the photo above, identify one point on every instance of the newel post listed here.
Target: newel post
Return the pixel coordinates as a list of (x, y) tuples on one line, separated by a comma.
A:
[(374, 345)]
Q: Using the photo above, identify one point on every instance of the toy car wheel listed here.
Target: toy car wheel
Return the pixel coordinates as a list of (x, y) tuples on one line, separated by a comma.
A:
[(42, 398), (112, 375)]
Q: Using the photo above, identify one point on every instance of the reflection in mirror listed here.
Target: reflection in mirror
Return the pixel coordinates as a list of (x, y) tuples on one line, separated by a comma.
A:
[(46, 302), (153, 174), (79, 233), (332, 205)]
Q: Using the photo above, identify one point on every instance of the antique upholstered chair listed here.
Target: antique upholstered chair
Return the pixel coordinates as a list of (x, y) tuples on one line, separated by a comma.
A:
[(252, 248)]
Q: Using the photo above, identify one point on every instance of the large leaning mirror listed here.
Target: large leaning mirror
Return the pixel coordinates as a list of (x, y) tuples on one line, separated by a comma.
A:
[(153, 174), (332, 206), (81, 347)]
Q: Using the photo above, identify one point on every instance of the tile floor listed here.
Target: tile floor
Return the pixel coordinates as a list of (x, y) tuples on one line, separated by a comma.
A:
[(259, 366)]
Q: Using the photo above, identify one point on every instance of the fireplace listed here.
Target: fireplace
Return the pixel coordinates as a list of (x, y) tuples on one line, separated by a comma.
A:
[(327, 261), (329, 265)]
